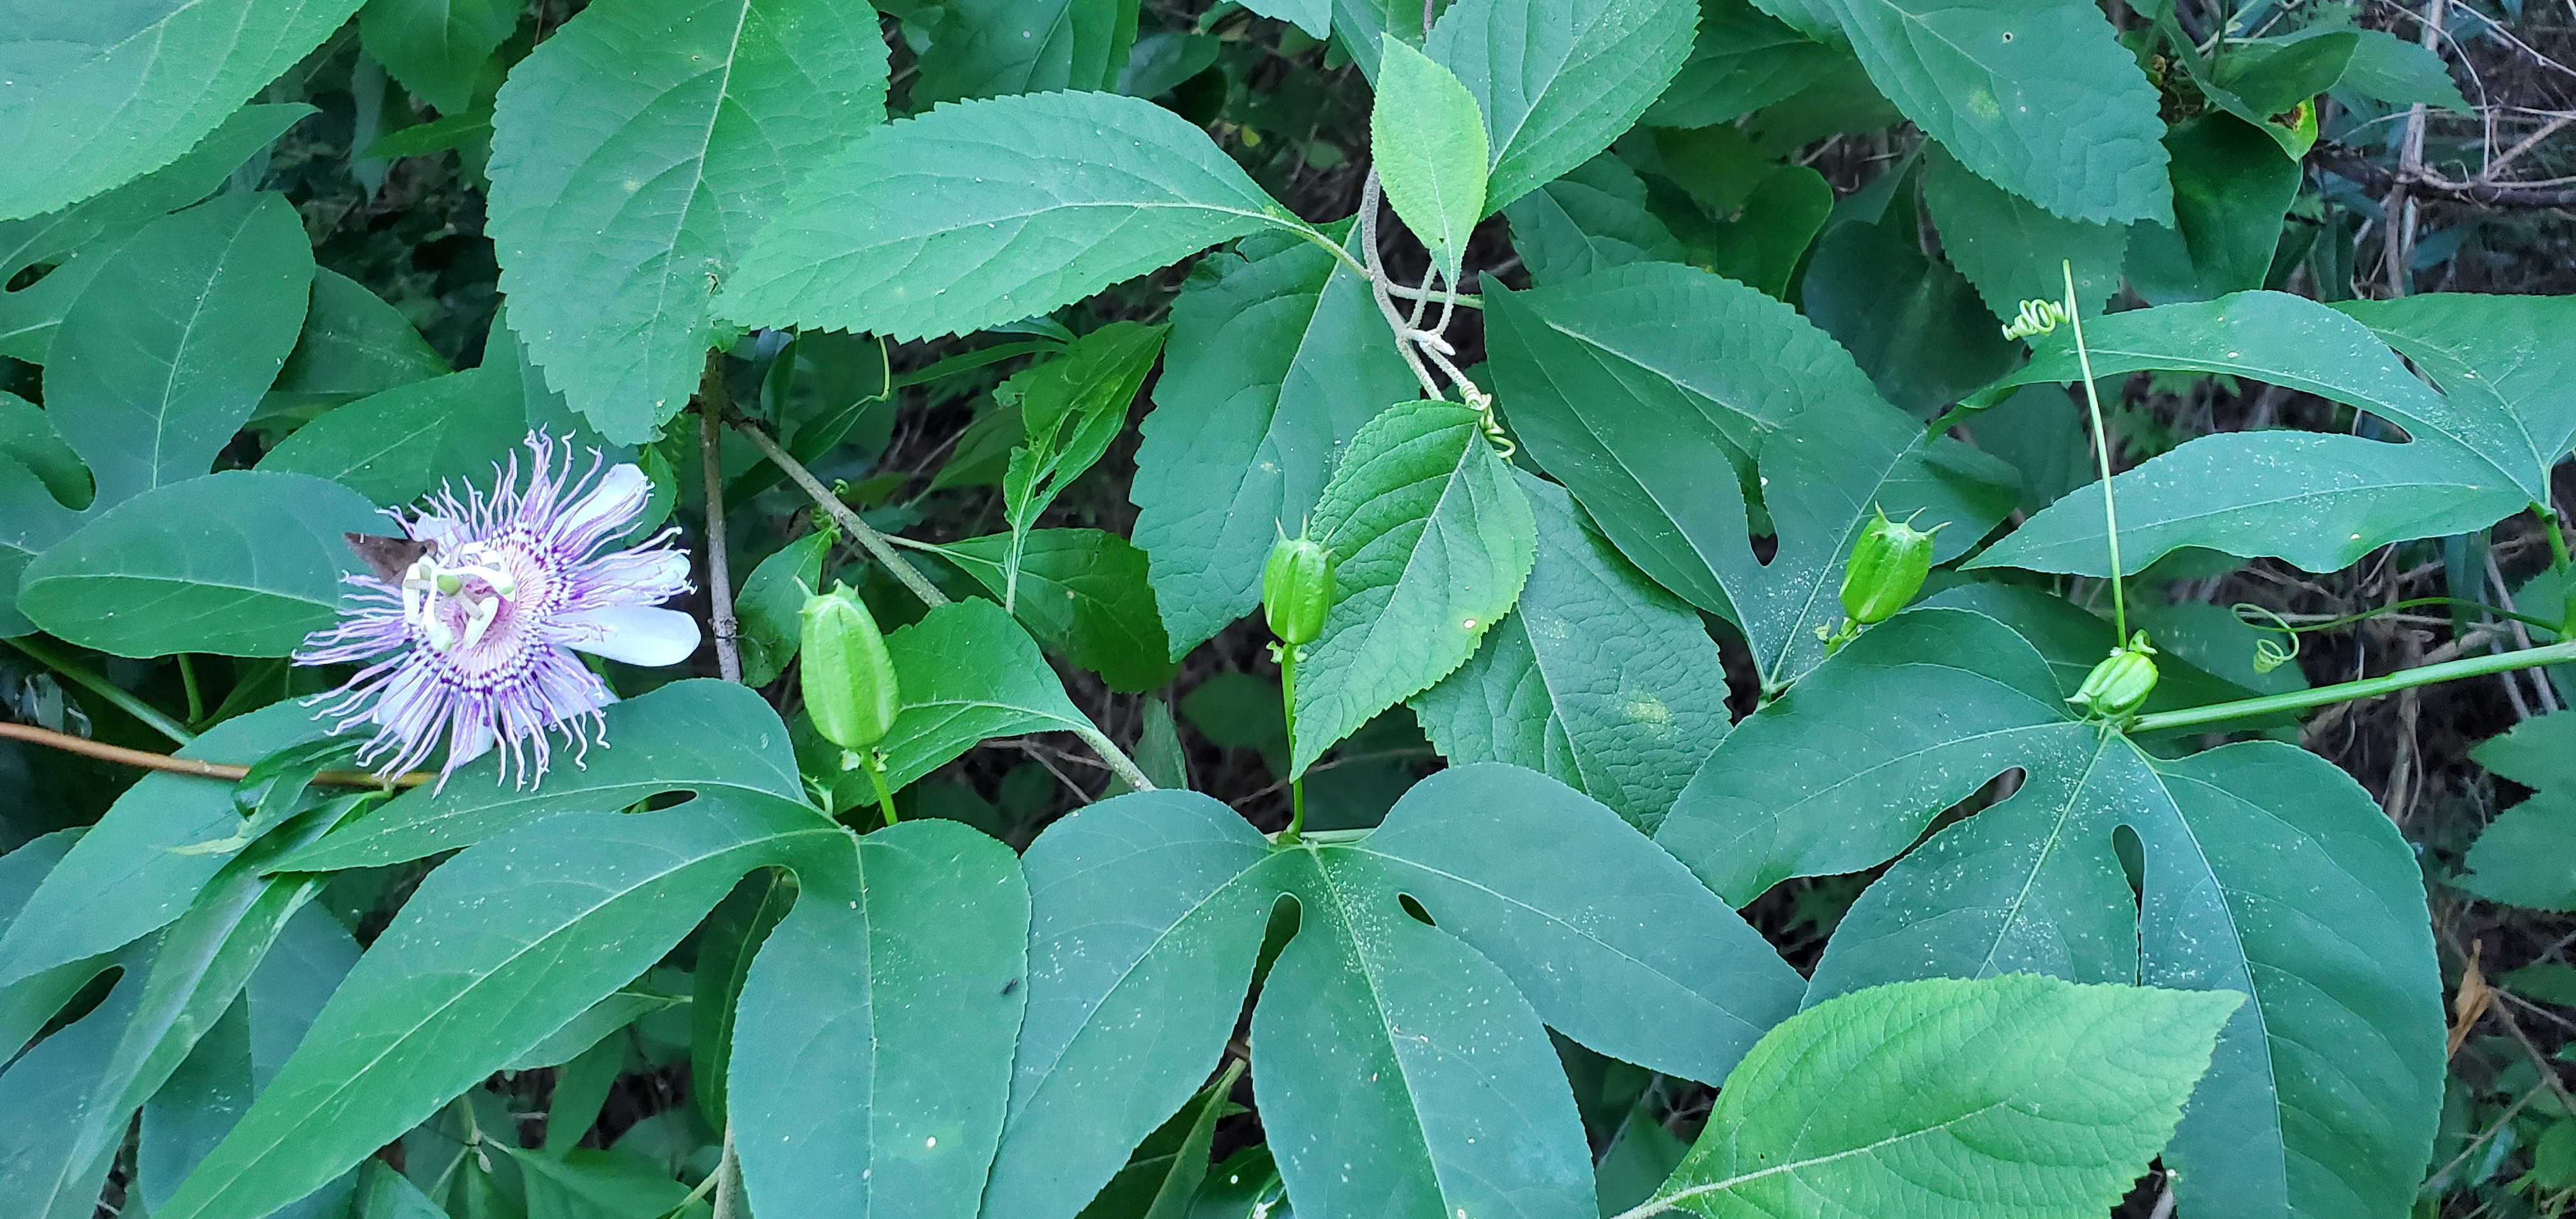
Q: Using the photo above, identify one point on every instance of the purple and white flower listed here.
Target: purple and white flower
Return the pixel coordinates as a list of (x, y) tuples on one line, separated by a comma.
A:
[(474, 643)]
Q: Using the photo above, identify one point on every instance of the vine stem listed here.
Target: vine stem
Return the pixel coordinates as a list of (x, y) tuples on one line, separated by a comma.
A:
[(188, 766), (2102, 453), (2558, 563), (1288, 707), (876, 778), (44, 654), (719, 576), (1370, 193), (1119, 763), (2373, 687), (865, 534), (728, 1175)]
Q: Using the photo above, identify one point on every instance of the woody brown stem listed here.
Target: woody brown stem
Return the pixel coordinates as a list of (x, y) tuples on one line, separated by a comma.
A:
[(189, 766)]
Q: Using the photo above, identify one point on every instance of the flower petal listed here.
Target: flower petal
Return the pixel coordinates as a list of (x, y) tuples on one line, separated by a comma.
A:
[(607, 507), (636, 634)]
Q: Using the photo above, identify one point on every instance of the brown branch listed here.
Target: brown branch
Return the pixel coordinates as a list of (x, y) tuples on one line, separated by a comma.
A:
[(189, 766), (2346, 163), (711, 409)]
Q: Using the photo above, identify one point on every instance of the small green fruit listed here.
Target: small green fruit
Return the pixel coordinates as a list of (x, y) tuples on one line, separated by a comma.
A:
[(1297, 590), (849, 679), (1888, 564), (2122, 682)]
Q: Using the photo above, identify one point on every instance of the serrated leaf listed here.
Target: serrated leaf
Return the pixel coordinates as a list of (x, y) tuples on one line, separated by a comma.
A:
[(241, 563), (1913, 324), (1431, 541), (1598, 678), (129, 89), (1741, 60), (2013, 1096), (701, 736), (727, 942), (2386, 68), (1277, 356), (2524, 856), (126, 878), (969, 674), (2010, 248), (1427, 140), (2266, 871), (167, 350), (436, 48), (353, 345), (1592, 219), (635, 153), (987, 212), (987, 48), (1083, 593), (2318, 501), (2039, 99), (1556, 80), (1069, 408), (893, 1100), (396, 446), (1632, 385), (500, 946)]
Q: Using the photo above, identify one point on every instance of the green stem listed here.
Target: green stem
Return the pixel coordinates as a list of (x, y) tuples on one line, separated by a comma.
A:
[(876, 776), (1119, 763), (1317, 236), (2558, 563), (2301, 700), (44, 654), (1288, 708), (188, 682), (2102, 452), (2307, 628)]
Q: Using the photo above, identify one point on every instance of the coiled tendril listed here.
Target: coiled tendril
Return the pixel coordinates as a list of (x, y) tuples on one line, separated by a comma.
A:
[(2037, 317)]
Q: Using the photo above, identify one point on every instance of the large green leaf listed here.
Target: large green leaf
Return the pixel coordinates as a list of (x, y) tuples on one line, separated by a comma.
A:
[(31, 520), (2318, 501), (1277, 356), (726, 943), (2011, 249), (242, 563), (1593, 218), (1083, 593), (2038, 98), (240, 1054), (2496, 357), (2230, 187), (703, 736), (635, 153), (500, 946), (28, 1004), (1633, 385), (1598, 678), (1432, 542), (53, 1079), (436, 48), (987, 48), (127, 877), (1427, 141), (1147, 912), (872, 1046), (165, 353), (396, 446), (353, 345), (969, 674), (1911, 322), (2527, 855), (2015, 1096), (1394, 1062), (1557, 80), (987, 212), (1741, 60), (79, 239), (130, 86), (2265, 871)]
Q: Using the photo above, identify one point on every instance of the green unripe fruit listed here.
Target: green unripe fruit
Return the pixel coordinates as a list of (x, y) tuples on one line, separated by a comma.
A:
[(1297, 590), (2122, 682), (1888, 564), (849, 679)]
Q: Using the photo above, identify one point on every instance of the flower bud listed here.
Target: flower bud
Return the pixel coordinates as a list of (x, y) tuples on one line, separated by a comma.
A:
[(1297, 590), (849, 679), (1888, 563), (2121, 683)]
